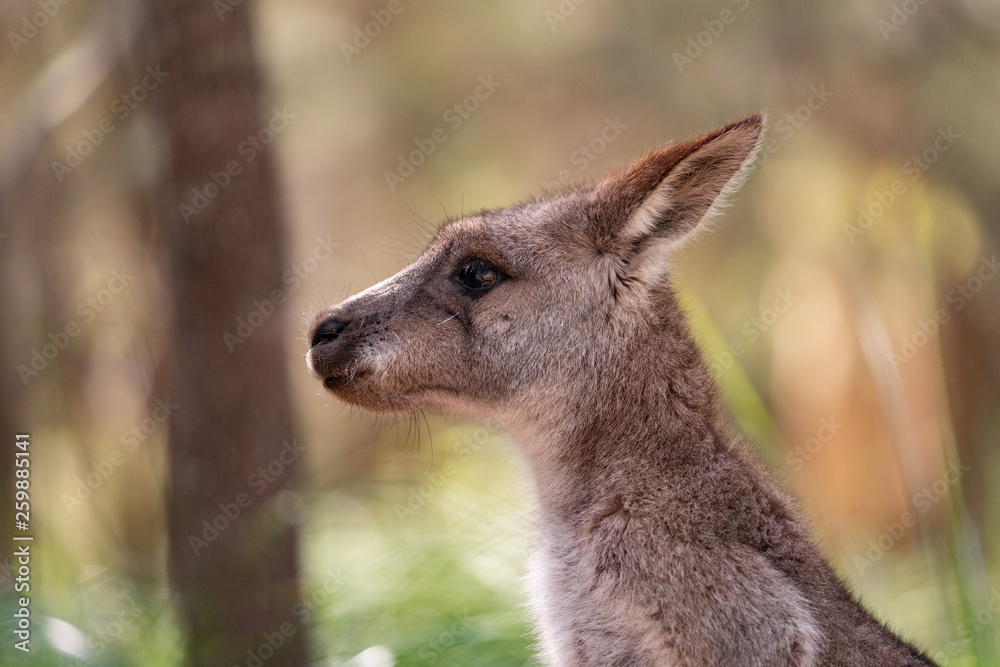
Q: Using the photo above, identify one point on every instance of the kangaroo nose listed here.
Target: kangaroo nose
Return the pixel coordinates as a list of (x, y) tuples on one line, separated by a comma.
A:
[(328, 330)]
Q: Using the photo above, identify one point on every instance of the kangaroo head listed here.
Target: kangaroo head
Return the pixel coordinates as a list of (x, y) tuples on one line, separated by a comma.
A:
[(510, 313)]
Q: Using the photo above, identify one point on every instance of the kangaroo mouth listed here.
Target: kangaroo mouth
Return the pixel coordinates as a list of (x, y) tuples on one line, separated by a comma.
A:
[(335, 366), (355, 385), (341, 381), (335, 382), (356, 379)]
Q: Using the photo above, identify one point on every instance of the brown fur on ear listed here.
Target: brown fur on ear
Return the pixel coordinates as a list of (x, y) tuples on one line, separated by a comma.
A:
[(668, 193)]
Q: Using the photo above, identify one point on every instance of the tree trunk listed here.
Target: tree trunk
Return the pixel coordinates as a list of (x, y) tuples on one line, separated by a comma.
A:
[(233, 557)]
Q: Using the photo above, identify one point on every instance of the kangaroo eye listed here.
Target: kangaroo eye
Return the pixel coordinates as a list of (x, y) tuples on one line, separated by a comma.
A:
[(478, 275)]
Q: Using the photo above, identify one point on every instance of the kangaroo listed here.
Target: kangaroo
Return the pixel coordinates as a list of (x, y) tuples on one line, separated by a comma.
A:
[(661, 540)]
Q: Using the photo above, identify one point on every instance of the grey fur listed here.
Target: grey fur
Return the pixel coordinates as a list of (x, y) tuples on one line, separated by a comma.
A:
[(661, 540)]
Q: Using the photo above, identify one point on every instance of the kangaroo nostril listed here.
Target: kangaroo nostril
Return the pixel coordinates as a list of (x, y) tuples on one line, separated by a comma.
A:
[(328, 330)]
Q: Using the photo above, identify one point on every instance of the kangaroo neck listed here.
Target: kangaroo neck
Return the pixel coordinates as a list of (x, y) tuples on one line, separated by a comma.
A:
[(621, 440)]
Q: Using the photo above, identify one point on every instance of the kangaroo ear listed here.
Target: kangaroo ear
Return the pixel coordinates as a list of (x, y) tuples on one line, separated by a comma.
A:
[(673, 191)]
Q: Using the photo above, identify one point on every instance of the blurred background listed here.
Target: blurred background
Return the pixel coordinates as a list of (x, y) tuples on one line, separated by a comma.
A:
[(184, 184)]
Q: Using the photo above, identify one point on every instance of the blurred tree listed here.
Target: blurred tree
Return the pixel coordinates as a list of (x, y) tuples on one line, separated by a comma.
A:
[(233, 556)]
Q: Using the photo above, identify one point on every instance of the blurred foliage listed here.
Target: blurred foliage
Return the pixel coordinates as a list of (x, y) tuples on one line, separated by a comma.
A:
[(872, 210)]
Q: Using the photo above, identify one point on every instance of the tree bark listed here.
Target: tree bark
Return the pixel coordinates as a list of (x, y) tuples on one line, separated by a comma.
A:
[(233, 558)]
